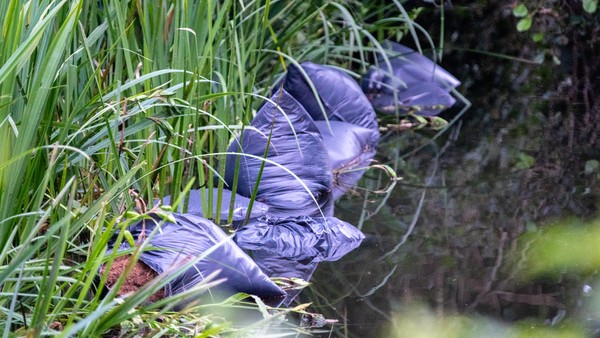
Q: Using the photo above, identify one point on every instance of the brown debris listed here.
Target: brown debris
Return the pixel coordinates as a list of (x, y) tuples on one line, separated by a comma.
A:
[(140, 275), (56, 326)]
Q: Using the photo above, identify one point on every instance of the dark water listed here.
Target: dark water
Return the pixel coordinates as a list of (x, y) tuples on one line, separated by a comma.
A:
[(452, 234), (454, 246)]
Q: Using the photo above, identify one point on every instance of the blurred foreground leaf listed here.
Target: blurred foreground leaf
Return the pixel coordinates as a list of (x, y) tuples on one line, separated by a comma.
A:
[(590, 6), (524, 24), (520, 10), (417, 322), (566, 246)]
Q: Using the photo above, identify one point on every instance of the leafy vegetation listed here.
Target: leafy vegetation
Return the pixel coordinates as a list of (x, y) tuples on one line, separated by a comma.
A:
[(107, 104)]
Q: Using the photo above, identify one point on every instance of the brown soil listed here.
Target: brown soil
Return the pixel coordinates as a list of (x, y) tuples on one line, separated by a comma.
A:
[(139, 276)]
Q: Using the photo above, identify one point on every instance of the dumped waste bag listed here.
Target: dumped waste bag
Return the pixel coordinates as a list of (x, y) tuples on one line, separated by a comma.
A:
[(240, 207), (292, 247), (351, 133), (176, 244), (419, 85), (342, 98), (300, 238), (351, 150), (296, 146)]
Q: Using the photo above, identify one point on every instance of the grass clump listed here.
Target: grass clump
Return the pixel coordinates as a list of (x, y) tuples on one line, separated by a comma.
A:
[(107, 103)]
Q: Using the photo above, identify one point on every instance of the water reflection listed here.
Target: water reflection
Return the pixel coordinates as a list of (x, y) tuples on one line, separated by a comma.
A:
[(451, 237)]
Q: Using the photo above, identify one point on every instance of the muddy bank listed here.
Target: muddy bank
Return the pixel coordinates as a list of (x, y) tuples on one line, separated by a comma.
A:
[(140, 275)]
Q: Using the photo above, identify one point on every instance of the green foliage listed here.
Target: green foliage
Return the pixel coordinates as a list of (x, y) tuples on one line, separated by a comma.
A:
[(106, 105), (550, 17), (520, 10), (524, 24), (567, 245), (524, 161), (419, 322), (590, 6), (526, 18)]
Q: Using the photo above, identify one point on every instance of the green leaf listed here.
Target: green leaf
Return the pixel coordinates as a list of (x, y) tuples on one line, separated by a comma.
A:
[(537, 37), (590, 6), (520, 10), (524, 24), (437, 123), (165, 216), (167, 208), (129, 238), (556, 60), (524, 161), (132, 214), (421, 120)]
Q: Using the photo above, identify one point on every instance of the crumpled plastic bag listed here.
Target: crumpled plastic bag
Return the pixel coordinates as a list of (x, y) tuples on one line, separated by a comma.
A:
[(351, 133), (300, 238), (297, 145), (292, 247), (420, 85), (341, 96), (240, 208), (351, 150), (175, 244)]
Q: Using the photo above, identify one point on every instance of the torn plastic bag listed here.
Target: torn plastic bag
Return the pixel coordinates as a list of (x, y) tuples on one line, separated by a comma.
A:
[(351, 148), (421, 86), (240, 208), (297, 145), (300, 238), (341, 96), (175, 244)]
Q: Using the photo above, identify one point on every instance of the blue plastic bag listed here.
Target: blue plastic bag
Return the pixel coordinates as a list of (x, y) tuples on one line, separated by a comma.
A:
[(420, 86), (300, 238), (292, 247), (296, 148), (175, 244), (351, 133), (341, 97), (351, 150)]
